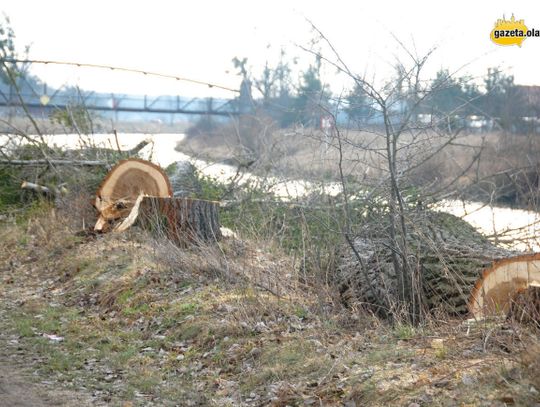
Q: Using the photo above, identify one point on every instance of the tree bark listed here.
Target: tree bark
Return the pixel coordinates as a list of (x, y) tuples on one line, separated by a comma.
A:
[(182, 220), (448, 254)]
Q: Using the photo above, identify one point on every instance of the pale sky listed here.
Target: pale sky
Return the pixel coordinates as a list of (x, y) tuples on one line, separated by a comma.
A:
[(197, 39)]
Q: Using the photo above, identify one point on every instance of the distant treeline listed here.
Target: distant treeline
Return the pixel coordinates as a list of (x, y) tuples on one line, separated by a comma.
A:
[(447, 101)]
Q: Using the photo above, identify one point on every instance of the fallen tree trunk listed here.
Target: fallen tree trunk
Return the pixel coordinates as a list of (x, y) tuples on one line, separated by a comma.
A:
[(459, 270)]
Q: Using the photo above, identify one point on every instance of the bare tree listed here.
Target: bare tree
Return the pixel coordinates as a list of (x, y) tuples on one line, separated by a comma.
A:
[(403, 142)]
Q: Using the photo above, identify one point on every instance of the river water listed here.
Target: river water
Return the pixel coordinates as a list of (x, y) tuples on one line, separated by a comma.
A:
[(520, 226)]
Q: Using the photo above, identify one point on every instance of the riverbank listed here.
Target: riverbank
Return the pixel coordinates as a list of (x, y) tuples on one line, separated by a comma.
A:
[(515, 228)]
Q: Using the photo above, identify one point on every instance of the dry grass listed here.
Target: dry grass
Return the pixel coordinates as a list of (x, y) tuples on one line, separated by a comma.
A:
[(150, 324)]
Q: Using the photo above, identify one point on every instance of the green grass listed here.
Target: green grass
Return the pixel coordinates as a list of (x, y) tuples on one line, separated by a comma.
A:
[(188, 308), (24, 325), (404, 332), (124, 297), (441, 353)]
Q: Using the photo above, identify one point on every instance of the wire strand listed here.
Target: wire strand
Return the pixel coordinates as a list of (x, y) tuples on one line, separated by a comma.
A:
[(119, 68)]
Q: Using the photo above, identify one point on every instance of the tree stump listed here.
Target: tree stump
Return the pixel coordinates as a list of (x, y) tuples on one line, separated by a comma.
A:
[(182, 220), (458, 269), (137, 190), (120, 188)]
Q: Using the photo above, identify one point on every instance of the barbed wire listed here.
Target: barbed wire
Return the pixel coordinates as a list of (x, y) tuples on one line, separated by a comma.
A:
[(122, 69)]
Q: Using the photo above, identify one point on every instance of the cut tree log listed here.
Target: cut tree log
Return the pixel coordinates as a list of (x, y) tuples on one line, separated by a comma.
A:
[(459, 270), (139, 191), (503, 283)]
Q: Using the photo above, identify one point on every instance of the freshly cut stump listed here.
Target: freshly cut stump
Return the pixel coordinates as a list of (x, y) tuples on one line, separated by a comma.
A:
[(457, 269), (137, 190), (127, 180)]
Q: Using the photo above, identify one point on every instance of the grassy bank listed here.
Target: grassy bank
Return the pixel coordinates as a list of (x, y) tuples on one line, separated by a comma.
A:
[(130, 320)]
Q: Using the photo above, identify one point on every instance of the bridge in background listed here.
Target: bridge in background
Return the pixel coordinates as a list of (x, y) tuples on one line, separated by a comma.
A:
[(30, 92), (114, 103)]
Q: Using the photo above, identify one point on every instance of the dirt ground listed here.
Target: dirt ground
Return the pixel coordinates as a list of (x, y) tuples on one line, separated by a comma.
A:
[(19, 389)]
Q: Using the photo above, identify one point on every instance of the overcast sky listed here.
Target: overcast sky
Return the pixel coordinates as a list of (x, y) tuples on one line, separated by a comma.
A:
[(198, 39)]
